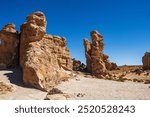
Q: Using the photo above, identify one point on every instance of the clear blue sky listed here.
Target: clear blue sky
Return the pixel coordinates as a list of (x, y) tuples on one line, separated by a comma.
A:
[(125, 24)]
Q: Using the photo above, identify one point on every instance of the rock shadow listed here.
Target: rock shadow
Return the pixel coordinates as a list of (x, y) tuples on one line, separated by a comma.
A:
[(15, 77)]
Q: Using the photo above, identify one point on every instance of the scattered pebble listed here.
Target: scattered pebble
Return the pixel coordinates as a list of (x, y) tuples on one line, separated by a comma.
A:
[(77, 79), (80, 95)]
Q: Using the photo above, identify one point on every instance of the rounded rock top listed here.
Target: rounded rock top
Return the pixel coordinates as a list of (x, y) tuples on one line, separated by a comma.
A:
[(38, 13), (9, 28), (10, 25), (95, 32)]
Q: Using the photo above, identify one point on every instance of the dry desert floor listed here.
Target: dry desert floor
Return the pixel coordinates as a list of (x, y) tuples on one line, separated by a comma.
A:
[(78, 87)]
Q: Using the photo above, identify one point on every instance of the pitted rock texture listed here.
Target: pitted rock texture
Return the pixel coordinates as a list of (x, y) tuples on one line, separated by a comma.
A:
[(9, 42), (146, 61), (31, 31), (44, 58), (97, 61)]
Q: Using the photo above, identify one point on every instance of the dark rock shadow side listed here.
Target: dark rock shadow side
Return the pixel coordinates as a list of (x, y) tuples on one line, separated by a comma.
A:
[(15, 77)]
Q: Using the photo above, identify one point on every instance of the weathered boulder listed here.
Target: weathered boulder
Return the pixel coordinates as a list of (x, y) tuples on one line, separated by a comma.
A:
[(9, 43), (146, 61), (78, 66), (9, 28), (5, 88), (114, 66), (56, 94), (97, 61), (44, 58)]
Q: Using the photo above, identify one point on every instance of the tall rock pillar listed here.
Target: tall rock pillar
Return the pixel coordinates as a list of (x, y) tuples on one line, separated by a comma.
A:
[(97, 61), (44, 58)]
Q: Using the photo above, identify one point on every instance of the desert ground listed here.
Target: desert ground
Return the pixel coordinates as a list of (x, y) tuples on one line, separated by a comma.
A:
[(19, 91), (79, 87)]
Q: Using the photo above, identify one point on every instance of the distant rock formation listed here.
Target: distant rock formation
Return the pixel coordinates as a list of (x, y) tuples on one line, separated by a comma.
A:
[(44, 58), (114, 66), (97, 61), (78, 66), (146, 61), (9, 42)]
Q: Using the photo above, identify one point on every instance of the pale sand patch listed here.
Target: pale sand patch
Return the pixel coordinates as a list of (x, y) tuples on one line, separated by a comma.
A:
[(77, 87), (91, 88), (21, 92)]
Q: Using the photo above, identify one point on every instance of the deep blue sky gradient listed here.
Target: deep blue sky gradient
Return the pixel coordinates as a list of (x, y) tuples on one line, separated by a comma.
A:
[(125, 24)]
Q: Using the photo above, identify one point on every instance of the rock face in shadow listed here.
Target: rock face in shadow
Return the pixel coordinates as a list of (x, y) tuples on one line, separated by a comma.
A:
[(44, 58), (78, 66), (146, 61), (114, 66), (9, 42), (97, 61)]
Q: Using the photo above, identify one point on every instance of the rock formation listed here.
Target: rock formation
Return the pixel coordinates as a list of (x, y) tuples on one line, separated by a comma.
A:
[(44, 58), (97, 61), (9, 41), (146, 61), (78, 66), (114, 66)]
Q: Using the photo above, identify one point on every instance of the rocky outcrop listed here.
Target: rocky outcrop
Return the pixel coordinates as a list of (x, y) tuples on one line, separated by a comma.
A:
[(78, 66), (31, 31), (44, 58), (9, 41), (97, 61), (114, 66), (146, 61)]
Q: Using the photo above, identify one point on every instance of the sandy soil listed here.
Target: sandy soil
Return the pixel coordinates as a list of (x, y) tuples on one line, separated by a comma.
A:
[(91, 88), (77, 87), (21, 92)]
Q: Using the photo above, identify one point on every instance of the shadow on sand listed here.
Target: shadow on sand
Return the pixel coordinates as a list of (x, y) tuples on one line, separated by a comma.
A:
[(15, 77)]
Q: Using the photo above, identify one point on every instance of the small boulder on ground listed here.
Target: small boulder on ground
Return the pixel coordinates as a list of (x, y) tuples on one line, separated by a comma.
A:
[(5, 88), (56, 94)]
